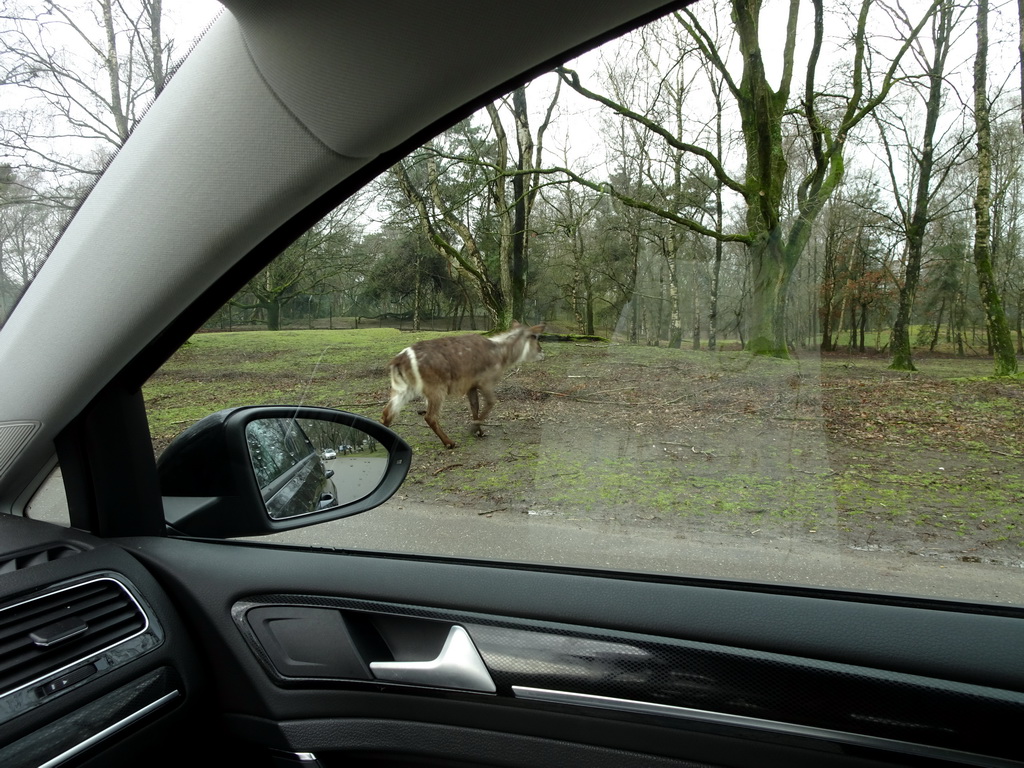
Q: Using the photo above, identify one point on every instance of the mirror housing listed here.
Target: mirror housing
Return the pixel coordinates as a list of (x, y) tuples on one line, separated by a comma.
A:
[(210, 487)]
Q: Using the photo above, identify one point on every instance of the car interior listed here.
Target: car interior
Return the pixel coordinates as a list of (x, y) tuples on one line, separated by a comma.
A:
[(155, 627)]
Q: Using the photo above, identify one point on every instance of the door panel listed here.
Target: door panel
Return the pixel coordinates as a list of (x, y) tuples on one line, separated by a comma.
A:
[(582, 660)]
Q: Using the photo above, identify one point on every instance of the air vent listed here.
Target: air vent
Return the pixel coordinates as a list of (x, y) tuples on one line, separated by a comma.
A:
[(36, 557), (43, 635)]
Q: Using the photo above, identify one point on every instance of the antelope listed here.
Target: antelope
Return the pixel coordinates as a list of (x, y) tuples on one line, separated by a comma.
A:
[(468, 365)]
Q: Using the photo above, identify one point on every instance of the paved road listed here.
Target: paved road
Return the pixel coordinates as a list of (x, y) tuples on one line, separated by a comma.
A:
[(357, 475), (403, 526)]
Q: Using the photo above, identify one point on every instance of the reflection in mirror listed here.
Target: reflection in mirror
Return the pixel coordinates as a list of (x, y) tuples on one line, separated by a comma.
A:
[(311, 465)]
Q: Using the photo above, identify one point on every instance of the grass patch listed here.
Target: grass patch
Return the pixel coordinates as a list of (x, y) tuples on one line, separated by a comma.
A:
[(637, 432)]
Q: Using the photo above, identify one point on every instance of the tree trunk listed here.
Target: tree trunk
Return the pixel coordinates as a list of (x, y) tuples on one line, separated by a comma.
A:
[(1020, 320), (851, 343), (575, 302), (113, 67), (716, 269), (695, 344), (960, 315), (716, 276), (902, 357), (631, 283), (1020, 53), (771, 276), (998, 328), (273, 310), (863, 326), (917, 224), (416, 295), (826, 334), (521, 203), (938, 325), (761, 111), (589, 306), (675, 320), (828, 287), (154, 10)]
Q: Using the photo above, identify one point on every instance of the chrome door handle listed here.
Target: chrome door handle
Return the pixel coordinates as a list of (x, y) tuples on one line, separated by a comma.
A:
[(457, 666)]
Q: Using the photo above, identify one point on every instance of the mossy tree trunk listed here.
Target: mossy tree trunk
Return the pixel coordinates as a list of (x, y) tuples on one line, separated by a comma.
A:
[(998, 329), (770, 281)]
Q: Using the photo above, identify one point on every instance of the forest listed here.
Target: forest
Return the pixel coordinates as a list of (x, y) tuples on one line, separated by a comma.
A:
[(755, 175)]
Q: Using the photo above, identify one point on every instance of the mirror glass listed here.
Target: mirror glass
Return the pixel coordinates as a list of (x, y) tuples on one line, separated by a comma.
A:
[(311, 465)]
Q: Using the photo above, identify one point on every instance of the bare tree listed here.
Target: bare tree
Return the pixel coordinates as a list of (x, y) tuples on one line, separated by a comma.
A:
[(85, 72), (1020, 54), (929, 164), (571, 213), (27, 229), (774, 241), (474, 194), (303, 271)]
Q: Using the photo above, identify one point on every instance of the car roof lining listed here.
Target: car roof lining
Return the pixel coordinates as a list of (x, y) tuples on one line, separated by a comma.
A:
[(360, 122)]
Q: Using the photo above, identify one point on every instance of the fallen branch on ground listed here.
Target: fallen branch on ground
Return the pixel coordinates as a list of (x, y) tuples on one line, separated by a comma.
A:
[(445, 469)]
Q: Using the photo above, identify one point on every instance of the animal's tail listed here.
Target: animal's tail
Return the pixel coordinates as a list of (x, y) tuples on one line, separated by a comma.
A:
[(402, 391)]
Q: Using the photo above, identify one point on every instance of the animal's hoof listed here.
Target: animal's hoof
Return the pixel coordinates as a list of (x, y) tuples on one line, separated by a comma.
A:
[(449, 446)]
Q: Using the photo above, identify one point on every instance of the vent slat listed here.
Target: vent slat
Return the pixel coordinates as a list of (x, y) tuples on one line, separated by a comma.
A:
[(15, 620), (104, 606), (15, 645)]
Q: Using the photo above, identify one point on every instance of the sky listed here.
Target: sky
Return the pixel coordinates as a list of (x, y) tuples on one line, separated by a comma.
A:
[(186, 20)]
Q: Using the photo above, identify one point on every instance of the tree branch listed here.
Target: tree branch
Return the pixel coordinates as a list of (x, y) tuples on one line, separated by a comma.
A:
[(572, 79)]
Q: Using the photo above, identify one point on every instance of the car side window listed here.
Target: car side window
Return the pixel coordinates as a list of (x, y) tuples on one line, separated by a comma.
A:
[(273, 449), (626, 320)]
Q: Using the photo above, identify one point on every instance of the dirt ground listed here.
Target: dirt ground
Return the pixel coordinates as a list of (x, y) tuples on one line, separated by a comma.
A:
[(835, 449), (832, 449)]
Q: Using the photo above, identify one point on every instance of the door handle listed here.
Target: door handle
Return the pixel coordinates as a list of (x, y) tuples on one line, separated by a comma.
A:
[(457, 666)]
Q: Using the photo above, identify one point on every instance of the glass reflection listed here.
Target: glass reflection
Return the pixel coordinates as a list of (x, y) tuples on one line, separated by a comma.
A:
[(310, 465)]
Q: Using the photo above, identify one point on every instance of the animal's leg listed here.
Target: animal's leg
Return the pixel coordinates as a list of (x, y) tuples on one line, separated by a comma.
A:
[(431, 417), (474, 403), (480, 415), (391, 410)]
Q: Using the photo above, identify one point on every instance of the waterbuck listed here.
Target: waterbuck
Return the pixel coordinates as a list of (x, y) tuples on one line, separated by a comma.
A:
[(468, 365)]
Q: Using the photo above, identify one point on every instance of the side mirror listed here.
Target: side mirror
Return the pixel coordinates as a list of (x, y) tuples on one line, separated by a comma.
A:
[(264, 469)]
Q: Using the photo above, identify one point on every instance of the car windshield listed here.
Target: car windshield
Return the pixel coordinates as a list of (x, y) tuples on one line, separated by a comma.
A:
[(75, 79)]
